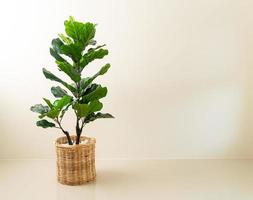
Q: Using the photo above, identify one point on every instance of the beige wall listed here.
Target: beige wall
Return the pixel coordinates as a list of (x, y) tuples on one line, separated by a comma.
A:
[(180, 84)]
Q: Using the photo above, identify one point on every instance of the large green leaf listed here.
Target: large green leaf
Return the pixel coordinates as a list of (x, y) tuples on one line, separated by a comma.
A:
[(79, 31), (91, 117), (90, 89), (95, 106), (98, 93), (45, 124), (58, 91), (39, 108), (92, 55), (52, 77), (56, 49), (74, 51), (59, 104), (82, 110), (56, 55), (48, 103), (56, 44), (51, 114), (69, 70), (87, 81)]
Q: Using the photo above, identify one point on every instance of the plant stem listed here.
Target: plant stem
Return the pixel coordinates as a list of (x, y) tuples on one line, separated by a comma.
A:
[(78, 131), (65, 132), (78, 128), (78, 138), (68, 137)]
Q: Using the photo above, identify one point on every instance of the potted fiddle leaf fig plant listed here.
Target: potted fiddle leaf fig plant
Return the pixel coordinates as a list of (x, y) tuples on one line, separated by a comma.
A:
[(73, 52)]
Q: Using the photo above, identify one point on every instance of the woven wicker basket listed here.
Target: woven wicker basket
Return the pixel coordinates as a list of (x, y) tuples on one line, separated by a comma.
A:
[(75, 164)]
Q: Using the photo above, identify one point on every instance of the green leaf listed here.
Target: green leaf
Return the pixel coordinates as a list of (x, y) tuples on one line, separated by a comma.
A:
[(73, 29), (56, 55), (56, 49), (56, 44), (74, 51), (98, 93), (48, 103), (58, 92), (99, 115), (82, 110), (69, 70), (65, 39), (59, 104), (92, 55), (98, 47), (104, 115), (95, 106), (87, 81), (52, 77), (51, 114), (79, 31), (45, 124), (90, 89), (39, 108), (104, 69)]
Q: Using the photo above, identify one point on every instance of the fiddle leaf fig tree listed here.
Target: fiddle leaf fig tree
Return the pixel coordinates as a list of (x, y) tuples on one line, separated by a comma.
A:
[(72, 52)]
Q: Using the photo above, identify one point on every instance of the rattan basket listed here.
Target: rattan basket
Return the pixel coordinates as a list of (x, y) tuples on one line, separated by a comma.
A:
[(75, 164)]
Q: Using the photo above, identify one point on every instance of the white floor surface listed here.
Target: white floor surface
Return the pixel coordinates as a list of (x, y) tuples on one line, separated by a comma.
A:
[(132, 179)]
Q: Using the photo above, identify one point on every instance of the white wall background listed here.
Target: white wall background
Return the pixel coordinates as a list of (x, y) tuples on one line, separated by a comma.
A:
[(180, 84)]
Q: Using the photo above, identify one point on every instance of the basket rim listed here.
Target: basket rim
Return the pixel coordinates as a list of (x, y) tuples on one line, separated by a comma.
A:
[(92, 141)]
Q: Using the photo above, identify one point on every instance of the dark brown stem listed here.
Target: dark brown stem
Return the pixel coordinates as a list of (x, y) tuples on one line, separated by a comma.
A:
[(78, 138), (68, 137), (78, 131), (65, 132)]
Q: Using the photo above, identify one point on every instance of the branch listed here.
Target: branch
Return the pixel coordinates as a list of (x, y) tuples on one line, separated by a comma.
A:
[(64, 131)]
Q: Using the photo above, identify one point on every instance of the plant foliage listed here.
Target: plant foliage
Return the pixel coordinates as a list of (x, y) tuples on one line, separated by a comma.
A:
[(72, 52)]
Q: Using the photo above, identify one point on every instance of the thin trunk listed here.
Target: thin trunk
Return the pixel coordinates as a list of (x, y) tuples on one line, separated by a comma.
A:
[(78, 132), (68, 137), (65, 132), (78, 128), (78, 138)]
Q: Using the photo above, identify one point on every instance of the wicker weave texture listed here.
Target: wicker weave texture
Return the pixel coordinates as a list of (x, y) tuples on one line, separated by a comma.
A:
[(76, 163)]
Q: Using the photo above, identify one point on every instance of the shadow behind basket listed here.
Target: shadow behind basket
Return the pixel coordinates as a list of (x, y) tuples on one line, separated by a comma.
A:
[(76, 163)]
